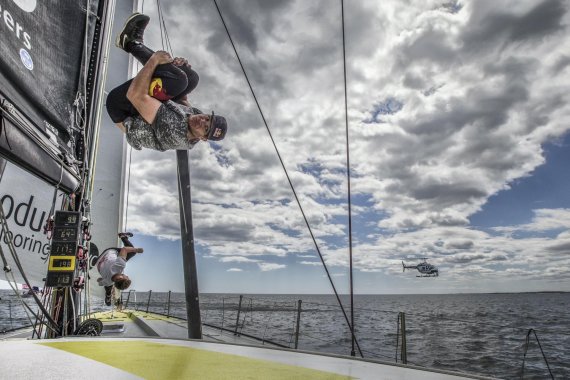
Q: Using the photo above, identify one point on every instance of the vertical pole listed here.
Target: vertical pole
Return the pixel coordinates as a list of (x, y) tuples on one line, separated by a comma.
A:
[(398, 334), (404, 353), (168, 307), (298, 324), (237, 318), (352, 328), (223, 312), (10, 307), (188, 253), (148, 302), (64, 331), (128, 298), (77, 310)]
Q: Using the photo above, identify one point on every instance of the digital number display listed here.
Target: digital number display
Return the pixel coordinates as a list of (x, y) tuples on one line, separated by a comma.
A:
[(68, 234), (63, 248), (60, 248), (59, 279), (59, 263), (66, 218)]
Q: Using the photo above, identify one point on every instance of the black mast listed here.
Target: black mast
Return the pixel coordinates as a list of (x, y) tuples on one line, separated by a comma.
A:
[(188, 253)]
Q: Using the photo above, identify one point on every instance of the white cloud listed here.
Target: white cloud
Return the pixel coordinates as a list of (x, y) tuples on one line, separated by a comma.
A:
[(236, 259), (448, 105), (544, 220), (313, 263), (265, 267)]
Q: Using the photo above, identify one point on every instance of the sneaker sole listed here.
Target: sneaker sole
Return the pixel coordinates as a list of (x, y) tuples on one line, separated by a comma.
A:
[(118, 39)]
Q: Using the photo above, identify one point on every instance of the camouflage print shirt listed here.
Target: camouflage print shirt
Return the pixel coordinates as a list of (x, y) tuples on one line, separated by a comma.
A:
[(168, 131)]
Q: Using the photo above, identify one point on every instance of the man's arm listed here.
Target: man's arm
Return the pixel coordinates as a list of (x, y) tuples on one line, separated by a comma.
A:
[(146, 105), (126, 250)]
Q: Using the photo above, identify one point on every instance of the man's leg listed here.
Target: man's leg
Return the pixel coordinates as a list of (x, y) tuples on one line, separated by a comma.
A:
[(124, 236), (169, 73), (169, 81), (118, 106), (108, 294), (193, 80)]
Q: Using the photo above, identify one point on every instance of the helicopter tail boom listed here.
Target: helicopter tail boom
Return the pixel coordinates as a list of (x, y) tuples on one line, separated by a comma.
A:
[(404, 267)]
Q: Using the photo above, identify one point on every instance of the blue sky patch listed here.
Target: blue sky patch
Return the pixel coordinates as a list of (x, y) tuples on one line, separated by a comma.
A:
[(387, 107)]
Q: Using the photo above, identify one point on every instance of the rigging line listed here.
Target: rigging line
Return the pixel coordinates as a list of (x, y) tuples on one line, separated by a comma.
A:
[(531, 331), (14, 286), (128, 187), (71, 298), (163, 28), (82, 101), (180, 190), (25, 306), (348, 181), (161, 31), (12, 250), (287, 175)]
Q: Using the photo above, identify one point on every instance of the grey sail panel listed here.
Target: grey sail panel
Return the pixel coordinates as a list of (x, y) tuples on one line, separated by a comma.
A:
[(50, 55), (43, 55), (40, 56), (28, 152)]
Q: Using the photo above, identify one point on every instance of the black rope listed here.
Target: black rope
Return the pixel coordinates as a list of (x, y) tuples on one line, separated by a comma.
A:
[(287, 175), (526, 349), (348, 181)]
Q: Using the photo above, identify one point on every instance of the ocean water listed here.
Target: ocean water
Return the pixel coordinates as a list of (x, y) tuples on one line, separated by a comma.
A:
[(481, 334)]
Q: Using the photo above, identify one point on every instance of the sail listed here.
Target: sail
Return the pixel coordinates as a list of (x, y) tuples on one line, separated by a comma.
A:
[(52, 72), (110, 182), (26, 201), (41, 60)]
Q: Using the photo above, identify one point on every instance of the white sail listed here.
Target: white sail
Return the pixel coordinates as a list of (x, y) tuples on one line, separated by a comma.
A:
[(110, 180), (28, 198), (26, 202)]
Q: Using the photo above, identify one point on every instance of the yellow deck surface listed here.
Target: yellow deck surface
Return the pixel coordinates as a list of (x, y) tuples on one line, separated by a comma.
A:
[(161, 361)]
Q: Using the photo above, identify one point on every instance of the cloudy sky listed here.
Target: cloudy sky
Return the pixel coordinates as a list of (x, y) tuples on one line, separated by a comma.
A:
[(458, 118)]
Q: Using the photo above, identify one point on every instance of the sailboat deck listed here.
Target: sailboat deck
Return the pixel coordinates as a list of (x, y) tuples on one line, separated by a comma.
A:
[(138, 324), (145, 345), (133, 358)]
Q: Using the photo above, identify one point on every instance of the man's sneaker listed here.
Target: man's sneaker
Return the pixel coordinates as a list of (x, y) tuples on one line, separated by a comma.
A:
[(133, 31), (125, 234)]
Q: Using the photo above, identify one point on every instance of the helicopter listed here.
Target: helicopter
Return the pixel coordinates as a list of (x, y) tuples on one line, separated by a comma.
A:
[(425, 269)]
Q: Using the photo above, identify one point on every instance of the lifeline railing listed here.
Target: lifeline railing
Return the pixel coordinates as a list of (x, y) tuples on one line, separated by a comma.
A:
[(299, 324), (304, 325)]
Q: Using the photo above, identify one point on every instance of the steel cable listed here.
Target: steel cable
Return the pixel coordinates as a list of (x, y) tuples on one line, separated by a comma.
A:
[(286, 173)]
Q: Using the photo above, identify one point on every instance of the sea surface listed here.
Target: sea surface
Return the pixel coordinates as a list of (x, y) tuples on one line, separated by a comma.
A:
[(483, 334)]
